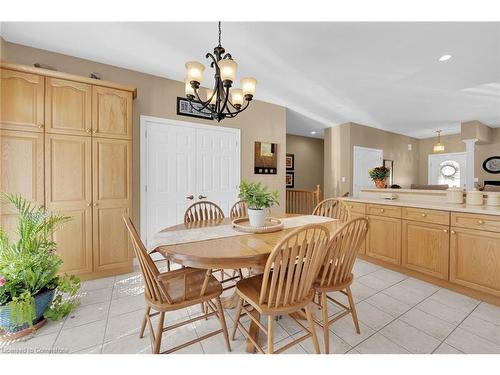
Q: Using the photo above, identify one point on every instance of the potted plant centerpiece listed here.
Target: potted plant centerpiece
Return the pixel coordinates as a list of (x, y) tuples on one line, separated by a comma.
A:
[(258, 200), (31, 288), (379, 175)]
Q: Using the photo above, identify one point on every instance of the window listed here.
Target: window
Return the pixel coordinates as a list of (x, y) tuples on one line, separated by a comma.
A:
[(449, 173)]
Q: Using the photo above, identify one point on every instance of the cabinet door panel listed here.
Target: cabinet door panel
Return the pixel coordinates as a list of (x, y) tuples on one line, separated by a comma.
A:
[(384, 239), (21, 107), (69, 192), (68, 107), (426, 248), (111, 197), (112, 113), (475, 259), (21, 165)]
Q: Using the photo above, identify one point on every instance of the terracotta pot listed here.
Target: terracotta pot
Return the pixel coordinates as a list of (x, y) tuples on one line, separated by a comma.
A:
[(380, 184)]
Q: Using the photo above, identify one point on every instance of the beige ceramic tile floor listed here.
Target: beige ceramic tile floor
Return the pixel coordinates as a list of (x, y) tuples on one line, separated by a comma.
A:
[(397, 314)]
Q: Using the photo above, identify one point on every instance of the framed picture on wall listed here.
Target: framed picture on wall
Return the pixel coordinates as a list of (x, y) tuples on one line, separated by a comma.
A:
[(390, 164), (290, 180), (185, 109), (266, 158), (290, 162)]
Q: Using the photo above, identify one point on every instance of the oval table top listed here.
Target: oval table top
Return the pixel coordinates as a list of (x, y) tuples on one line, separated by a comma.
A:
[(242, 251)]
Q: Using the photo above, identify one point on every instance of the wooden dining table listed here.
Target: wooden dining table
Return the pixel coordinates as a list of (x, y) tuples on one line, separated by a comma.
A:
[(245, 250)]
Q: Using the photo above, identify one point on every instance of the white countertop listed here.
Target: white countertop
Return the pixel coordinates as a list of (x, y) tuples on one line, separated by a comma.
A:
[(485, 210)]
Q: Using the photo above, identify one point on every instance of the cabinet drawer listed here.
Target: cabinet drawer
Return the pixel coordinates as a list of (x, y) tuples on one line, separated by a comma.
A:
[(356, 207), (427, 216), (474, 221), (383, 210)]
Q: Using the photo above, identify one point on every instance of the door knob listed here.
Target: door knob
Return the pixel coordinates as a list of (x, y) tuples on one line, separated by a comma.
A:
[(201, 196), (190, 196)]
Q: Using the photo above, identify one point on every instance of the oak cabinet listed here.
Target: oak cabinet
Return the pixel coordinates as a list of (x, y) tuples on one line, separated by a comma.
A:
[(68, 107), (425, 248), (68, 184), (21, 106), (475, 259), (111, 113), (111, 198), (383, 240)]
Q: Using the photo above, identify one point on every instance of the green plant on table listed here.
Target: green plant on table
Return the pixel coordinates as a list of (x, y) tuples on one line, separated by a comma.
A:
[(257, 196), (30, 266), (379, 173)]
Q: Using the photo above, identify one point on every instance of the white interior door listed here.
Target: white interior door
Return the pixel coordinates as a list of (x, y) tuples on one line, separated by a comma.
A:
[(450, 169), (364, 159), (182, 163)]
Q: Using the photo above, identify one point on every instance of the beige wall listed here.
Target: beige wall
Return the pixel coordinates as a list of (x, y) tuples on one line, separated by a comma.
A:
[(339, 143), (156, 96), (309, 158)]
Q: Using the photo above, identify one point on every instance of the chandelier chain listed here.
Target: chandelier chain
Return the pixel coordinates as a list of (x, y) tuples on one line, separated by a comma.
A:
[(220, 35)]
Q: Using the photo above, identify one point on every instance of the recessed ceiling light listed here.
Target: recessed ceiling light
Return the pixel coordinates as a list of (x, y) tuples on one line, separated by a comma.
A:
[(313, 132), (445, 58)]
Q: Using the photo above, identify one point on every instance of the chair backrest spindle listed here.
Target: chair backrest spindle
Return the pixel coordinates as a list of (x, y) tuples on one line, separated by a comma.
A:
[(239, 209), (203, 211), (334, 208)]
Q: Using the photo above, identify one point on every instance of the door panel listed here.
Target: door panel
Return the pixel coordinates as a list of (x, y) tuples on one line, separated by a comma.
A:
[(68, 107), (21, 165), (111, 164), (111, 113), (69, 192), (21, 107), (426, 248), (364, 159), (384, 239)]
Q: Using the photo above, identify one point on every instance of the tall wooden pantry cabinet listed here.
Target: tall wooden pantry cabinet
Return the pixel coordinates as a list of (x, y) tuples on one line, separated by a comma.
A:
[(66, 143)]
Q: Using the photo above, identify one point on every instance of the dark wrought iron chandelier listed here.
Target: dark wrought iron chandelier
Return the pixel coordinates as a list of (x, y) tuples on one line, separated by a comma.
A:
[(224, 100)]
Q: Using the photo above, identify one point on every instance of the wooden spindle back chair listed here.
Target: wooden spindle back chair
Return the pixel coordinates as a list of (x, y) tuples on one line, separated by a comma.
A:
[(239, 209), (334, 208), (336, 272), (203, 211), (286, 286), (174, 290)]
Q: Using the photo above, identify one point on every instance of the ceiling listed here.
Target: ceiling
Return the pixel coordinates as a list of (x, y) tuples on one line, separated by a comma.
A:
[(384, 75)]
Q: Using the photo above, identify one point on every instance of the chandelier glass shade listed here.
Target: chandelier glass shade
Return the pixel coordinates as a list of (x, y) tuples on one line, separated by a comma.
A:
[(438, 147), (223, 101)]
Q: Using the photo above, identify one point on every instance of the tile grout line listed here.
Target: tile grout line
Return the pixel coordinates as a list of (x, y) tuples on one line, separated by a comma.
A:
[(107, 317)]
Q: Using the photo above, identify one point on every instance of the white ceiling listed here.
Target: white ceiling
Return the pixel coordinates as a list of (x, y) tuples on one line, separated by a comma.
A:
[(385, 75)]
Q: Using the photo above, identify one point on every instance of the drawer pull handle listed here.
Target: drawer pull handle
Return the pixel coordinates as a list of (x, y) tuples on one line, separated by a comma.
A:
[(350, 206), (424, 215), (445, 230), (382, 210), (480, 222), (453, 232)]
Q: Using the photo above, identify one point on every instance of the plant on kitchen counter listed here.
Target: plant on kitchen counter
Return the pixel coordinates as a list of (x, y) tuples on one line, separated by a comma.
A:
[(29, 270), (379, 175)]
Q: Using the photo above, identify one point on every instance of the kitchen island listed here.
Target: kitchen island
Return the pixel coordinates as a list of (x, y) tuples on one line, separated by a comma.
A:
[(456, 246)]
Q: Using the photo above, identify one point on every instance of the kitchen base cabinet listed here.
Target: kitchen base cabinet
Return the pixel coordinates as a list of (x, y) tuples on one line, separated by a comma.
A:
[(475, 259), (426, 248), (384, 239)]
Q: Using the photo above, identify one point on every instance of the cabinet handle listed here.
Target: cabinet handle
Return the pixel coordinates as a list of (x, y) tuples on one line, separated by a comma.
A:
[(95, 204), (89, 204), (480, 222), (445, 230), (89, 131), (382, 210), (40, 126), (453, 232), (424, 215), (350, 206)]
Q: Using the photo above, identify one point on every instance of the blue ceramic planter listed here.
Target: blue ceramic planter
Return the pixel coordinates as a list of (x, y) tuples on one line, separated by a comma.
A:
[(42, 302)]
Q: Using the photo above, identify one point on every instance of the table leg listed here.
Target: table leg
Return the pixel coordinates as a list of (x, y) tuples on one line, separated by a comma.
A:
[(253, 331)]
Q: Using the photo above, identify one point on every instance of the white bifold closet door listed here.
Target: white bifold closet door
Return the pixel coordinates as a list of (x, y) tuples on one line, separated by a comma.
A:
[(182, 163)]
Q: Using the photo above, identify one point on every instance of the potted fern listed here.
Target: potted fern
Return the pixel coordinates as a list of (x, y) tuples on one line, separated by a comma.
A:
[(258, 200), (379, 175), (31, 288)]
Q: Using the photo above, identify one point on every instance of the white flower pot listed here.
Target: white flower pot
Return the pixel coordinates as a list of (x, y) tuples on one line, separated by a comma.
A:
[(257, 218)]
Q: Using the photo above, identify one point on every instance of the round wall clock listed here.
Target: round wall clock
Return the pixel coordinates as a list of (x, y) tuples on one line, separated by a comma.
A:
[(492, 164)]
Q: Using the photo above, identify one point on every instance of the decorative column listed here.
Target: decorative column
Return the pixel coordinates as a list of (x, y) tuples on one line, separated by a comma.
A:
[(470, 145)]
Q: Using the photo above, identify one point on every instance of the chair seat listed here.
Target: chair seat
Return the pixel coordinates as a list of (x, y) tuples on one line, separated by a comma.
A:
[(333, 287), (174, 284), (249, 289)]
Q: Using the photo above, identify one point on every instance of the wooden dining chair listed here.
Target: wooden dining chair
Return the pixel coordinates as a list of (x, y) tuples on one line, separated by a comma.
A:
[(239, 209), (286, 286), (175, 290), (336, 273), (334, 208), (203, 211)]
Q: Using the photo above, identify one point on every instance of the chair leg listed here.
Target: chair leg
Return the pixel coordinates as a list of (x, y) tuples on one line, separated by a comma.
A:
[(222, 320), (312, 329), (353, 310), (168, 265), (144, 321), (159, 331), (237, 317), (326, 331), (240, 274), (270, 334)]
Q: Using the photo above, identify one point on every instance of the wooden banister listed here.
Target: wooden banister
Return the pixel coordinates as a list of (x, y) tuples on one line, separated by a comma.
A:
[(302, 201)]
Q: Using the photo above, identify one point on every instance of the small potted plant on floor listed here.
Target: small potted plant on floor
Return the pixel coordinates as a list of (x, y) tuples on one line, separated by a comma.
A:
[(31, 288), (379, 175), (258, 200)]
